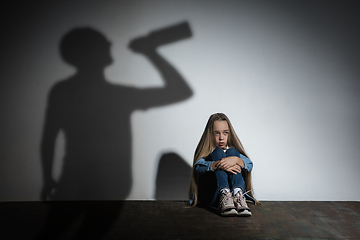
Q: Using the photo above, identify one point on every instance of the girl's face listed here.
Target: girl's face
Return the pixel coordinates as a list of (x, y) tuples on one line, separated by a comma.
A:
[(221, 133)]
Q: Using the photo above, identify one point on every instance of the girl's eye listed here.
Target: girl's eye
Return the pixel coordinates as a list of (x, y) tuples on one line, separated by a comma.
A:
[(226, 133), (216, 133)]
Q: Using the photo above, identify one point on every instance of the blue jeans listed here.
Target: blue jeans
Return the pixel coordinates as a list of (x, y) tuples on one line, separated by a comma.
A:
[(226, 179), (210, 183)]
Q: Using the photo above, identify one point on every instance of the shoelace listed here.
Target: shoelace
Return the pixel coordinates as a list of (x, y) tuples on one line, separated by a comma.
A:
[(241, 198), (246, 192), (225, 199)]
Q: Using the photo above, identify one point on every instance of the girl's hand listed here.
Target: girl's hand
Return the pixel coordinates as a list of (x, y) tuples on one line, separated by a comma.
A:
[(234, 169), (227, 162)]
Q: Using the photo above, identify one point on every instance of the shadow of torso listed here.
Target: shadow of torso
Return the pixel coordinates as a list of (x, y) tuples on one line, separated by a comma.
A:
[(95, 118)]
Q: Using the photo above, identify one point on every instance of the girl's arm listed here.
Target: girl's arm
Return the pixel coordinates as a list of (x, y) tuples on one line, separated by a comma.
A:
[(202, 166), (229, 162), (235, 169), (248, 164), (244, 162)]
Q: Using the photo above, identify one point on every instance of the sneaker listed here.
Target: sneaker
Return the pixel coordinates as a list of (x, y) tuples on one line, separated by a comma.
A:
[(227, 207), (241, 206)]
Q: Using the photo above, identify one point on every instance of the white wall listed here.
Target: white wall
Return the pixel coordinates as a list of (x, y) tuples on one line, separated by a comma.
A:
[(286, 74)]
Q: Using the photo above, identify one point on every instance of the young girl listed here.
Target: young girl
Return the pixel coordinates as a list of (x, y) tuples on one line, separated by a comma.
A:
[(221, 169)]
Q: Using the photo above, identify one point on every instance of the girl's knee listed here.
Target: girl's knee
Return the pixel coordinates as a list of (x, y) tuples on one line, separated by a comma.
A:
[(232, 152), (218, 154)]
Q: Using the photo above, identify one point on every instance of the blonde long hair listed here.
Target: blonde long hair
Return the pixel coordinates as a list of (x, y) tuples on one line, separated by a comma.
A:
[(205, 147)]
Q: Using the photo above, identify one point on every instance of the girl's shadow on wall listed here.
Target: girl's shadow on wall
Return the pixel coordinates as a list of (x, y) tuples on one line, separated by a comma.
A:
[(173, 178)]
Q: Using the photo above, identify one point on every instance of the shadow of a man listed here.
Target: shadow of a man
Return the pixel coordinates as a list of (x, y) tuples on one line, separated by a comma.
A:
[(94, 116)]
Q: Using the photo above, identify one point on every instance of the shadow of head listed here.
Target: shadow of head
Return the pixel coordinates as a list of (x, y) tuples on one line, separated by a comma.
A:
[(85, 47)]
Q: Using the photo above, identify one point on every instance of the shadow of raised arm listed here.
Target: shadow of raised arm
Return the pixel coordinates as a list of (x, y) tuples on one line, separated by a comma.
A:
[(176, 89)]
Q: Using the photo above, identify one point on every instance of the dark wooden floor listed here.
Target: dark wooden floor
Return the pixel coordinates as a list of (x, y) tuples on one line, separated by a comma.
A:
[(173, 220)]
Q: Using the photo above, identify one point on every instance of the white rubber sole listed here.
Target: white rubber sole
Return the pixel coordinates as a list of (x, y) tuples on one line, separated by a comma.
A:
[(229, 213), (244, 213)]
